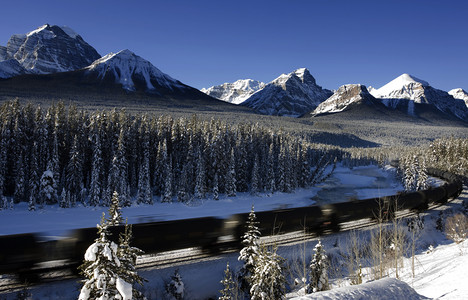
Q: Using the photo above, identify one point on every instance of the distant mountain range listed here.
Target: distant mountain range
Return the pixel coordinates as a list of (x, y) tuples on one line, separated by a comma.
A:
[(54, 61), (297, 94)]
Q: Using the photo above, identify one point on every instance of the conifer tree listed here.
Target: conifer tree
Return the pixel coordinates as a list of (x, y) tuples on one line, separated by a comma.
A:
[(115, 213), (33, 188), (231, 177), (144, 188), (318, 270), (167, 197), (101, 267), (48, 194), (200, 185), (255, 189), (74, 177), (175, 289), (20, 180), (227, 293), (96, 169), (128, 257), (250, 253), (270, 181), (215, 187), (268, 281)]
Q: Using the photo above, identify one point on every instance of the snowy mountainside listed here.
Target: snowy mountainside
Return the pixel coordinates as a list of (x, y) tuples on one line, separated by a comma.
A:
[(47, 49), (236, 92), (407, 92), (10, 68), (128, 69), (345, 97), (290, 94), (459, 94)]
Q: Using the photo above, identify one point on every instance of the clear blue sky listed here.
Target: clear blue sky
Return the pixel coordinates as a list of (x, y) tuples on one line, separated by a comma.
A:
[(204, 43)]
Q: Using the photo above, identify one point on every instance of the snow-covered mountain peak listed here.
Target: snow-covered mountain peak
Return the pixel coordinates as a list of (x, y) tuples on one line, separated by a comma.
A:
[(290, 94), (404, 86), (48, 49), (460, 94), (346, 96), (236, 92), (126, 67)]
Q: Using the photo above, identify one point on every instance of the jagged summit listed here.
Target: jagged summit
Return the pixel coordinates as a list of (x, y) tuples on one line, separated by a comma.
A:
[(129, 69), (47, 49), (290, 94), (346, 97), (236, 92)]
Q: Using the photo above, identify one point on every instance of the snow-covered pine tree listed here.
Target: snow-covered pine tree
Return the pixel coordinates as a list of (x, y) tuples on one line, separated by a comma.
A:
[(20, 180), (250, 253), (122, 166), (227, 293), (144, 188), (215, 187), (200, 180), (182, 191), (128, 256), (96, 188), (255, 186), (101, 267), (422, 181), (175, 289), (115, 213), (167, 196), (270, 182), (318, 270), (231, 177), (268, 281), (33, 188), (74, 175), (48, 194)]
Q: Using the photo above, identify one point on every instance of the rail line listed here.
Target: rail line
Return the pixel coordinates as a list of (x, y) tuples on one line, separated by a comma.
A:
[(186, 256)]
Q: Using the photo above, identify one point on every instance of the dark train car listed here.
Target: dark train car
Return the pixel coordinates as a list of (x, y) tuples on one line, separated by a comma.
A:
[(154, 237), (289, 220), (435, 195), (336, 213), (412, 201), (19, 254)]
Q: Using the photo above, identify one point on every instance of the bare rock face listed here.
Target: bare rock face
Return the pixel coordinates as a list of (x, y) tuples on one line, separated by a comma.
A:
[(344, 98), (292, 94), (49, 49)]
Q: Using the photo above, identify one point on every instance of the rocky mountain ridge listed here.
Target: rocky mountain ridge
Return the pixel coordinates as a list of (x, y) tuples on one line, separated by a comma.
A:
[(292, 94), (236, 92)]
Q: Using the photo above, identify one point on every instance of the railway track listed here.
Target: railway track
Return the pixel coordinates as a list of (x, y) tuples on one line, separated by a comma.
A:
[(194, 255)]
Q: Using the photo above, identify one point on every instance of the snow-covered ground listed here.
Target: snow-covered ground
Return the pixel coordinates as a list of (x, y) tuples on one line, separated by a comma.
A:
[(441, 265)]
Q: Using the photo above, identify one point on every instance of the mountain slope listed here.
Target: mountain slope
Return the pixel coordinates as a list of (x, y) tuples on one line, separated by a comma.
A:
[(236, 92), (48, 49), (407, 93), (131, 72), (290, 94)]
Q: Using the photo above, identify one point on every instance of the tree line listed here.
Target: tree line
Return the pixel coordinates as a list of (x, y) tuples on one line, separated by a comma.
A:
[(68, 156)]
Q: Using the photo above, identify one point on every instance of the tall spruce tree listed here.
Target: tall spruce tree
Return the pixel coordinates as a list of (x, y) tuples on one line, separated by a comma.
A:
[(268, 280), (250, 253), (227, 293), (231, 177)]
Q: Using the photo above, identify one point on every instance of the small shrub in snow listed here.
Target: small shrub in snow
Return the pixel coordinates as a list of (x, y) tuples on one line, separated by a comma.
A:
[(228, 292), (318, 270), (175, 289), (456, 228)]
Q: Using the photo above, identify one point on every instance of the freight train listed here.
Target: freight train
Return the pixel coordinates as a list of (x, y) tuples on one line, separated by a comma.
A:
[(22, 254)]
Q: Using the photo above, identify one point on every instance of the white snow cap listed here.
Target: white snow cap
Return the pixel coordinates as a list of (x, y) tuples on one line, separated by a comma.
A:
[(398, 83)]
